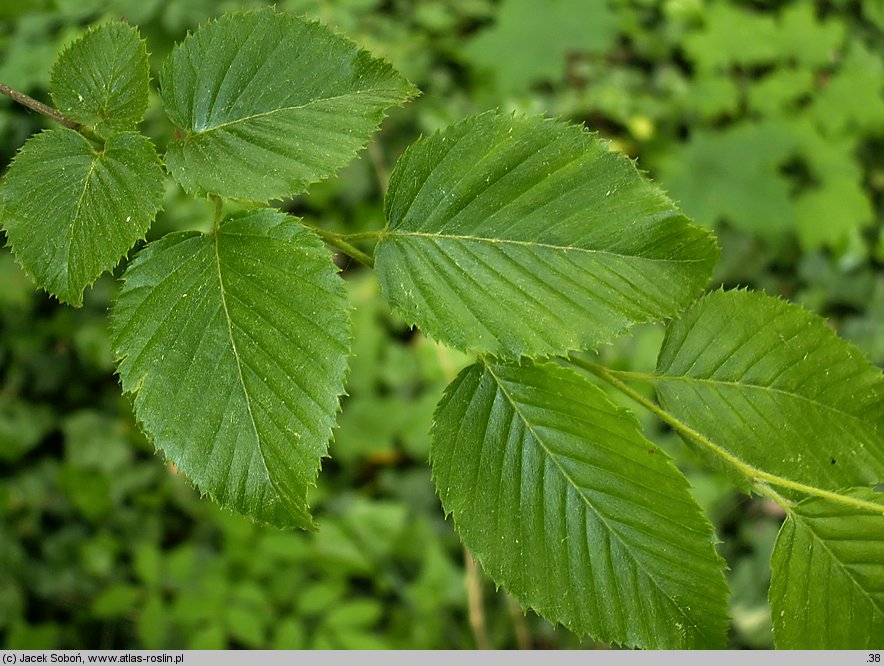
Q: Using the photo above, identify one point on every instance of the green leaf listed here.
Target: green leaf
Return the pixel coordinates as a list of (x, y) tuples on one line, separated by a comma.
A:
[(732, 35), (101, 80), (235, 345), (851, 100), (827, 575), (268, 103), (710, 96), (805, 39), (778, 91), (735, 175), (836, 204), (518, 50), (521, 236), (72, 211), (22, 425), (555, 490), (773, 386), (116, 600), (829, 213)]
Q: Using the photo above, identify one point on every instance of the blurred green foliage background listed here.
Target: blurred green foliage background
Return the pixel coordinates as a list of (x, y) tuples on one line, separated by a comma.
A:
[(763, 118)]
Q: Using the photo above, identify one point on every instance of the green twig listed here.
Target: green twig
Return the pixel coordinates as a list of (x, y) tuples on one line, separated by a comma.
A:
[(362, 236), (48, 111), (628, 374), (759, 478), (341, 242)]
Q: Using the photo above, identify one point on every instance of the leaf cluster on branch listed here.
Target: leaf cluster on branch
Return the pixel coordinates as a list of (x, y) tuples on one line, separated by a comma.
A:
[(522, 240)]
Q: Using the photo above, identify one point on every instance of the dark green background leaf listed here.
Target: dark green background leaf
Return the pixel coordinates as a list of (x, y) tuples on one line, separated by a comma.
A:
[(713, 174), (526, 45)]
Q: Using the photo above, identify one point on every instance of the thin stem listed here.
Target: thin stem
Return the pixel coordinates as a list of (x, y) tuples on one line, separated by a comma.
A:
[(474, 597), (39, 107), (520, 627), (766, 491), (219, 206), (758, 477), (363, 235), (46, 110), (629, 374), (339, 241), (376, 155)]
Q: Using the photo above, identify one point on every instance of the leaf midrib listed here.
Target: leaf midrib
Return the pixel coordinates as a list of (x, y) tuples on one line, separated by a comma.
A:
[(227, 320), (536, 244), (208, 130), (614, 534), (117, 71), (96, 157), (760, 387)]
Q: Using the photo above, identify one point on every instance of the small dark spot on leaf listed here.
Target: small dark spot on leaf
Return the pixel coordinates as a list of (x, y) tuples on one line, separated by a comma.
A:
[(832, 461), (650, 452)]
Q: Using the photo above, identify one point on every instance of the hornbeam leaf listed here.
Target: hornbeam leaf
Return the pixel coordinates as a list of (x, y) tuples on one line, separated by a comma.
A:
[(234, 344), (555, 490), (101, 80), (71, 211), (774, 387), (521, 236), (827, 575), (268, 103)]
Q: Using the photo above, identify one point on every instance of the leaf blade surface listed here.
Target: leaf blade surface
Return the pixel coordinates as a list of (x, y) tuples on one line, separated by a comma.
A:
[(520, 236), (827, 575), (235, 345), (268, 103), (71, 212), (561, 498), (102, 79), (772, 385)]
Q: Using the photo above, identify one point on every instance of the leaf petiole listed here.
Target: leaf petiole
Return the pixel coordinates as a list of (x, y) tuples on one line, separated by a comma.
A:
[(341, 242), (363, 235)]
